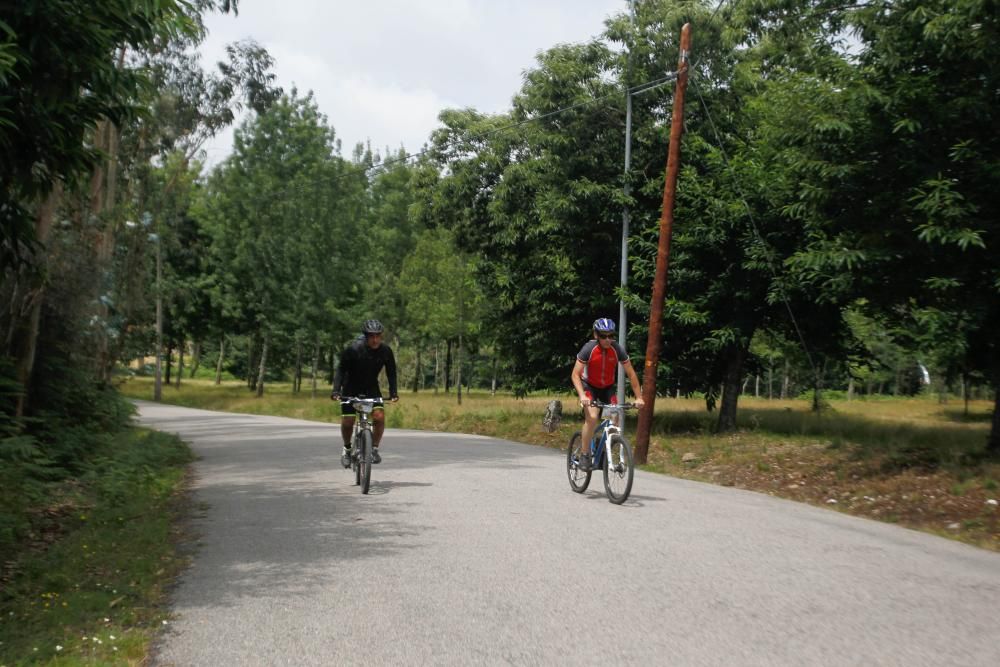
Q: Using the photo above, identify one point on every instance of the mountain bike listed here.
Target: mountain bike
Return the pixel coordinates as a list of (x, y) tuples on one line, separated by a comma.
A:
[(362, 441), (611, 454)]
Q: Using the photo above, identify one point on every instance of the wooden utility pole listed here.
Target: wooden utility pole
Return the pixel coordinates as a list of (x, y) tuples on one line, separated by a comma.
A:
[(663, 254)]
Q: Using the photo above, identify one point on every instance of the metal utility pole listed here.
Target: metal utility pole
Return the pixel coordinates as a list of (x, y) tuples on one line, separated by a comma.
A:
[(622, 323), (663, 254)]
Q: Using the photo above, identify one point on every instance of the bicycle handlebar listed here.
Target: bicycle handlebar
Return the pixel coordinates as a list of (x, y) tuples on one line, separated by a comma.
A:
[(613, 406)]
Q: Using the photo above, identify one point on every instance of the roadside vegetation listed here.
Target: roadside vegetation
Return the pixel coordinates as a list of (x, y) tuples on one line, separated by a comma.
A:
[(85, 581), (913, 461)]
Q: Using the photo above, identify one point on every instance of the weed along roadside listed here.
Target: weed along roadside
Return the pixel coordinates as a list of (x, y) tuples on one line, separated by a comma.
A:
[(86, 584), (914, 462)]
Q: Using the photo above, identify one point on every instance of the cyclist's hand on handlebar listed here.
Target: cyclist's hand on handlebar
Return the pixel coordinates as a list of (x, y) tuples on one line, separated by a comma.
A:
[(335, 396), (639, 402), (393, 399)]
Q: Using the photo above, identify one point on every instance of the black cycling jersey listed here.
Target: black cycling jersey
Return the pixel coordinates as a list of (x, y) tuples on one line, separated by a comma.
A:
[(359, 367)]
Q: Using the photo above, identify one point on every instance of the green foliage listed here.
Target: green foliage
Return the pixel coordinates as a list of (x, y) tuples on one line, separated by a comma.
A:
[(101, 551), (59, 77)]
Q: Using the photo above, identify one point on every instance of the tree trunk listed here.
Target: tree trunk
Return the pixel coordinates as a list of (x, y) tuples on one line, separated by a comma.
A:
[(416, 375), (993, 443), (458, 381), (197, 358), (251, 362), (297, 380), (158, 382), (170, 363), (756, 386), (784, 381), (850, 389), (818, 389), (263, 365), (218, 364), (315, 367), (333, 364), (493, 384), (447, 369), (731, 388), (770, 382), (26, 328), (180, 362), (965, 393), (437, 365)]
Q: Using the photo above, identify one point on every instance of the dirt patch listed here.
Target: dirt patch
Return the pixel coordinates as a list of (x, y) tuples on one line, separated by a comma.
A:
[(961, 504)]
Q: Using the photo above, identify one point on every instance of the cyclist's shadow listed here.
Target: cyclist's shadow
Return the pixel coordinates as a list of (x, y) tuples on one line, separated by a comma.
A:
[(381, 487)]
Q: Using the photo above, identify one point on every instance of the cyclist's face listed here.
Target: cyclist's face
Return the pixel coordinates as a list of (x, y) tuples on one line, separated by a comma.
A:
[(605, 339), (373, 340)]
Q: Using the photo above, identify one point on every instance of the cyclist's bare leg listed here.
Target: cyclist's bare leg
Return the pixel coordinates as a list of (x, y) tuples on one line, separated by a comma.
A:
[(378, 425), (346, 429), (590, 417)]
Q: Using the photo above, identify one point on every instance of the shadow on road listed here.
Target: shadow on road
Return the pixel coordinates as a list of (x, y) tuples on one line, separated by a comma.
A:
[(384, 486)]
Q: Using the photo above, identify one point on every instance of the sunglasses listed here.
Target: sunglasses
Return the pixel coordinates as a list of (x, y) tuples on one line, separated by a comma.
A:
[(606, 336)]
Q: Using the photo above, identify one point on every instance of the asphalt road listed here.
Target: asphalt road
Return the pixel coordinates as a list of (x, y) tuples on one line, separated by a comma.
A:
[(473, 550)]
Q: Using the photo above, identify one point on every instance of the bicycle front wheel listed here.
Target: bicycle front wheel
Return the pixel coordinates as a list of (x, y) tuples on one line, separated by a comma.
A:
[(365, 460), (579, 480), (618, 470), (355, 462)]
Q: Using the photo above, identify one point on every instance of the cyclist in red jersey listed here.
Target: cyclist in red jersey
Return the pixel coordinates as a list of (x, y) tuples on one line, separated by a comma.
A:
[(595, 375)]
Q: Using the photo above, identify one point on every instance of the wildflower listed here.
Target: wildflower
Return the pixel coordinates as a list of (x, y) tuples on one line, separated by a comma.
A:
[(111, 636), (58, 647)]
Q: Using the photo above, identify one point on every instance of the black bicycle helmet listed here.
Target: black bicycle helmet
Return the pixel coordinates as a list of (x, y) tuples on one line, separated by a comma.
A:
[(372, 327)]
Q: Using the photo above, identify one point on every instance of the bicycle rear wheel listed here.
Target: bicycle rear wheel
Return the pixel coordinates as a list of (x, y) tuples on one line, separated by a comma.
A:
[(618, 470), (365, 460), (579, 480)]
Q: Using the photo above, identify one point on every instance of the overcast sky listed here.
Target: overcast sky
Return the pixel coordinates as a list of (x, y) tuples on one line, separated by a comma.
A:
[(382, 70)]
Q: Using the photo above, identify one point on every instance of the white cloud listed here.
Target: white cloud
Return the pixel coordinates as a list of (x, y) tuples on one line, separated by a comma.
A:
[(382, 70)]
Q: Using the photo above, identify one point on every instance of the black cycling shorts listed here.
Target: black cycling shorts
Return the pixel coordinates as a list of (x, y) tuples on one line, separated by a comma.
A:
[(607, 394)]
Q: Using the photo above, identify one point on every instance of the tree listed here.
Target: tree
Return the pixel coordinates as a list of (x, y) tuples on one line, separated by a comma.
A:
[(284, 213), (919, 235), (438, 286)]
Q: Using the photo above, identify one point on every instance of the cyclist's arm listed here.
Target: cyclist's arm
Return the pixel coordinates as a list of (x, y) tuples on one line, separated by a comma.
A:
[(341, 375), (633, 380), (390, 372), (577, 377)]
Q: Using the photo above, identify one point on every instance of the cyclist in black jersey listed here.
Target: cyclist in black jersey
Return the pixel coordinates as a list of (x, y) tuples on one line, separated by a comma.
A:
[(357, 376)]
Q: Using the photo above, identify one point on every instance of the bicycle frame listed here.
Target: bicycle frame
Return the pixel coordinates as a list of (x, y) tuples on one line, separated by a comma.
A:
[(363, 407), (605, 429)]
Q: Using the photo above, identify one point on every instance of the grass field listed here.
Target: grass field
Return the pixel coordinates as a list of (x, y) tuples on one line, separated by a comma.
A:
[(911, 461)]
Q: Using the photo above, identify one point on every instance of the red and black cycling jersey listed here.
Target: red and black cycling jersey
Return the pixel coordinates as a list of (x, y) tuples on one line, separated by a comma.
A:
[(359, 367), (600, 368)]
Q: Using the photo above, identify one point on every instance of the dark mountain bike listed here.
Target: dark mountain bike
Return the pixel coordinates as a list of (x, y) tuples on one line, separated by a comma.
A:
[(612, 454), (362, 443)]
